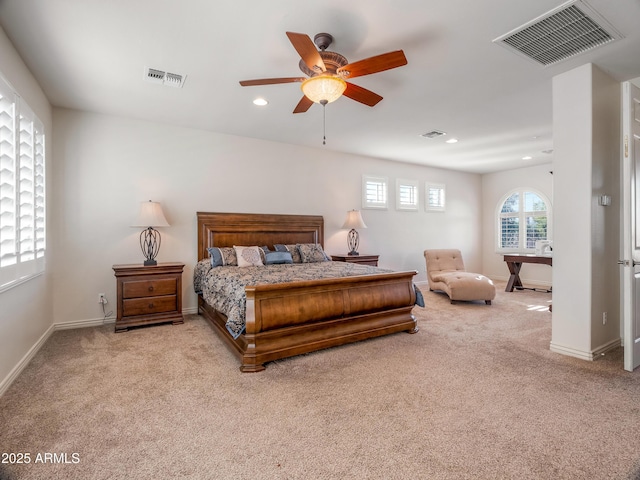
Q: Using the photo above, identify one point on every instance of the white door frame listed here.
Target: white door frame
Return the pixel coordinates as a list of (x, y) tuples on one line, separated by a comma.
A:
[(630, 249)]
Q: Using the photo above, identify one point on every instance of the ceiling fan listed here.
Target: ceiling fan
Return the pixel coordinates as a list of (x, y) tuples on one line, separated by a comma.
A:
[(327, 72)]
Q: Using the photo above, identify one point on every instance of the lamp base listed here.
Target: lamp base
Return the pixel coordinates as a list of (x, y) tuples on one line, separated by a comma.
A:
[(353, 240), (150, 245)]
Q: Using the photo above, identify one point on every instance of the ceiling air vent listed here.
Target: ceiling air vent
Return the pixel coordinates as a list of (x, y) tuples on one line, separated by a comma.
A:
[(570, 29), (433, 134), (164, 78)]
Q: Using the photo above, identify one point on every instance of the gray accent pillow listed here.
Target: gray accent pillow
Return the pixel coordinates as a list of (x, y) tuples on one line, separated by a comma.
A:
[(222, 256), (311, 252), (274, 258), (292, 249)]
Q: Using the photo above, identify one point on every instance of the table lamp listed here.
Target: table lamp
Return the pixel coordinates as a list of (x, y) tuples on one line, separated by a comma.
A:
[(150, 216), (353, 221)]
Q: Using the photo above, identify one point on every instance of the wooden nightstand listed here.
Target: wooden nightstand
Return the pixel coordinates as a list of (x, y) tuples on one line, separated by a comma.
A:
[(361, 259), (148, 295)]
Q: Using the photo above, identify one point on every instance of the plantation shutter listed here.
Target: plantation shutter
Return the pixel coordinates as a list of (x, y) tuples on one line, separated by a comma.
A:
[(435, 197), (374, 192), (523, 220), (407, 195), (22, 190), (8, 176), (39, 197)]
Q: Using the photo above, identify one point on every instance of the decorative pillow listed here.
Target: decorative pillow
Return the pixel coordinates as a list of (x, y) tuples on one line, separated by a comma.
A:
[(292, 249), (249, 256), (311, 252), (222, 256), (273, 258)]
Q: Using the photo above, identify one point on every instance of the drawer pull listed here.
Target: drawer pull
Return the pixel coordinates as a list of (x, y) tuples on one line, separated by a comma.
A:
[(151, 288), (151, 305)]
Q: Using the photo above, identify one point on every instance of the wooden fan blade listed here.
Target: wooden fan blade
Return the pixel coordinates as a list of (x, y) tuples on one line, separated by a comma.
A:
[(307, 51), (271, 81), (303, 105), (376, 64), (362, 95)]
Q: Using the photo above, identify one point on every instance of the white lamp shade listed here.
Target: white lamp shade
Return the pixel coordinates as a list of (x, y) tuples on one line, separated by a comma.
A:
[(354, 220), (150, 215), (323, 87)]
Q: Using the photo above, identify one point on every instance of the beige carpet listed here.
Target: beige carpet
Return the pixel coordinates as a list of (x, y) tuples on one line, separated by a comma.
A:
[(476, 394)]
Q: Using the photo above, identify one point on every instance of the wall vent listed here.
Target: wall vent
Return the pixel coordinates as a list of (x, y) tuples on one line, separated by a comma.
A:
[(164, 78), (570, 29), (433, 134)]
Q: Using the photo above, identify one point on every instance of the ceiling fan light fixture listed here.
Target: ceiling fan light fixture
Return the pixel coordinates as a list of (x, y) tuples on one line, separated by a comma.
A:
[(323, 88)]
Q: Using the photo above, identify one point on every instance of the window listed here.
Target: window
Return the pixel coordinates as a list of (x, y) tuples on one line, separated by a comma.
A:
[(523, 219), (22, 194), (374, 192), (406, 195), (434, 193)]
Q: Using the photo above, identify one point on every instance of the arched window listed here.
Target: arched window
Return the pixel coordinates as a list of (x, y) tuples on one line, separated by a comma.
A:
[(523, 217)]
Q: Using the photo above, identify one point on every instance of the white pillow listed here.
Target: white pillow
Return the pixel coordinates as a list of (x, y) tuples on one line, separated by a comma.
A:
[(248, 256)]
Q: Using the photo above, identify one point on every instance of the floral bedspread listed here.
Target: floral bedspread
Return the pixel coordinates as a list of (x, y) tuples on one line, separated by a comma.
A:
[(223, 287)]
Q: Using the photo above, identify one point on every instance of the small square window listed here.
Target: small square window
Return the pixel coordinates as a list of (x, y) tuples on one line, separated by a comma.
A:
[(407, 195), (435, 197), (374, 192)]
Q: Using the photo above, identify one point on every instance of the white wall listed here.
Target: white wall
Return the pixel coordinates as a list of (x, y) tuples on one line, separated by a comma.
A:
[(26, 310), (106, 165), (495, 187), (586, 118)]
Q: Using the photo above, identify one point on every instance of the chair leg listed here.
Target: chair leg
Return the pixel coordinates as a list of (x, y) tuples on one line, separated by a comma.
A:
[(488, 302)]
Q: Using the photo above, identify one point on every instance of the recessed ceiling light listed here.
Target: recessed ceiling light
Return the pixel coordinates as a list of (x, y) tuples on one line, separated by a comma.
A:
[(260, 102), (452, 140), (527, 158)]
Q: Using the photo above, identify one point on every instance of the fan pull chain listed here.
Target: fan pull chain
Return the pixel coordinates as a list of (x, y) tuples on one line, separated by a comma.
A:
[(324, 121)]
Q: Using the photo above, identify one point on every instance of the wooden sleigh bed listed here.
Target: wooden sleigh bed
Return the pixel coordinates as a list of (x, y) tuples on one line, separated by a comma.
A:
[(287, 319)]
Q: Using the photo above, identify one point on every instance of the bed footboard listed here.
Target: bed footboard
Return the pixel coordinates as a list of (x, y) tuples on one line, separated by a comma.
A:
[(289, 319)]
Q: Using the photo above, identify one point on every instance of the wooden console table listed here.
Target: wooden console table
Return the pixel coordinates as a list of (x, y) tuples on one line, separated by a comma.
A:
[(515, 261)]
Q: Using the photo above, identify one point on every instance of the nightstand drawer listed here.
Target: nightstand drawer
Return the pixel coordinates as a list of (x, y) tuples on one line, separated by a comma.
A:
[(149, 288), (149, 305), (361, 259)]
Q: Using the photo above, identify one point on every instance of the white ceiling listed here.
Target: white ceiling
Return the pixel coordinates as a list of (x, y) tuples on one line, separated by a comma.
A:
[(90, 55)]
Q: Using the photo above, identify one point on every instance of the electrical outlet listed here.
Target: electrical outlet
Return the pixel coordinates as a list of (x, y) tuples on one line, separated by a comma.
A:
[(102, 299), (604, 318)]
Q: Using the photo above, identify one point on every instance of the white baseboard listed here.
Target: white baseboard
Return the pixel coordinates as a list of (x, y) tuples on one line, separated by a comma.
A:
[(97, 322), (91, 322), (607, 347), (17, 370), (585, 354)]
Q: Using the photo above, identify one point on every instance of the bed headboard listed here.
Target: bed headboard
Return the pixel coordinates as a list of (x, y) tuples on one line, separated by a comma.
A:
[(229, 229)]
